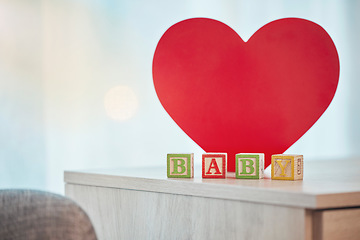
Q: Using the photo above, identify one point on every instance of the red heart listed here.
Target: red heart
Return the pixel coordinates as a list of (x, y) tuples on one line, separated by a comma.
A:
[(256, 96)]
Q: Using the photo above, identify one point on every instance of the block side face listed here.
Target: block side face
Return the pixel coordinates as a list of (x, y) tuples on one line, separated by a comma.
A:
[(225, 166), (247, 166), (180, 165), (203, 167), (261, 165), (168, 166), (299, 168), (192, 166), (282, 167), (237, 166), (272, 166), (214, 165)]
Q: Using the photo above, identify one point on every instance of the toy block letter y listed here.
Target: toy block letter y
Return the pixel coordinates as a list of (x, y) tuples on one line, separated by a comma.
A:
[(287, 167)]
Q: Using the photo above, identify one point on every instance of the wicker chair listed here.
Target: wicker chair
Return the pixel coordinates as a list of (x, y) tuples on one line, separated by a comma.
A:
[(30, 215)]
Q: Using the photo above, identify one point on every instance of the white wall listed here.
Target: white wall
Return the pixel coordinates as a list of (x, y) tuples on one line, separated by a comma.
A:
[(58, 60), (22, 142)]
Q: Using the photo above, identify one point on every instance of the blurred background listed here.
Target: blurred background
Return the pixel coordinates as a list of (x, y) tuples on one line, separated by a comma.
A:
[(76, 88)]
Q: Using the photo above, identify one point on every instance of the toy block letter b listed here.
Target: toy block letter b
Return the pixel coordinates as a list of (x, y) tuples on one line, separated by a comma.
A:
[(214, 165), (180, 165), (286, 167), (249, 165)]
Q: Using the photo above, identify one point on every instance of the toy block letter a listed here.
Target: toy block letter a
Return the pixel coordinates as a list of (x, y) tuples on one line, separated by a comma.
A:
[(214, 165)]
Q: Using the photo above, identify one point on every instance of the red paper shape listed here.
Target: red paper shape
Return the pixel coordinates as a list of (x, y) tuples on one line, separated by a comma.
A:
[(256, 96)]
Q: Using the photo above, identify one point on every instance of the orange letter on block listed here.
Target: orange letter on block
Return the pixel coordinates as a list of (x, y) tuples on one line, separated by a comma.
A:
[(282, 167), (287, 167)]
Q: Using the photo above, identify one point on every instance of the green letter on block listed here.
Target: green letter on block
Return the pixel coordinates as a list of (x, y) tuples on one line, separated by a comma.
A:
[(180, 165), (250, 165), (177, 165), (247, 166)]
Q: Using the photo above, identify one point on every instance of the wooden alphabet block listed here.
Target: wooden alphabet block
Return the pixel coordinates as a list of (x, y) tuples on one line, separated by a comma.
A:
[(214, 165), (249, 165), (180, 165), (287, 167)]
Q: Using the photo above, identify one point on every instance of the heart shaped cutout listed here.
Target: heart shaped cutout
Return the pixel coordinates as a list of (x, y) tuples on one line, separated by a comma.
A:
[(256, 96)]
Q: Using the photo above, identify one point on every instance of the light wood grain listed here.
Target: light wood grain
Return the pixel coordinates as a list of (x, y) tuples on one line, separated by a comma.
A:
[(128, 214), (341, 224), (309, 225), (330, 185), (145, 204)]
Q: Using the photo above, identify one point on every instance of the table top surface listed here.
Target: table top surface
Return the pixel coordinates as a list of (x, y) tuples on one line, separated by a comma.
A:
[(326, 184)]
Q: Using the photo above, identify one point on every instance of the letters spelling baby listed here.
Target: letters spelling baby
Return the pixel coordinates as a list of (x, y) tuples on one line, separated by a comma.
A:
[(247, 166)]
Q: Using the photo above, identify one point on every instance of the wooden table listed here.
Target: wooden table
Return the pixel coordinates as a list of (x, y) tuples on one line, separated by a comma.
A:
[(145, 204)]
